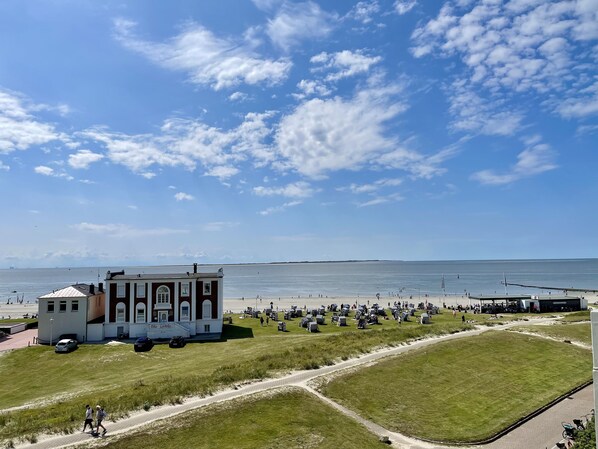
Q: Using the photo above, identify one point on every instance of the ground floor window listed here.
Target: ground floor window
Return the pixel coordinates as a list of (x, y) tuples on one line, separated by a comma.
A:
[(120, 313), (140, 318), (207, 309), (184, 311), (206, 328)]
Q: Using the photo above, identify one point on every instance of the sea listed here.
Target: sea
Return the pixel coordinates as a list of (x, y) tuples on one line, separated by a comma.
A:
[(338, 279)]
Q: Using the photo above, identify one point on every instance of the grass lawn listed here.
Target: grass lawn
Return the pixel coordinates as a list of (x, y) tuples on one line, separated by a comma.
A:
[(582, 315), (464, 390), (124, 380), (290, 419), (580, 332)]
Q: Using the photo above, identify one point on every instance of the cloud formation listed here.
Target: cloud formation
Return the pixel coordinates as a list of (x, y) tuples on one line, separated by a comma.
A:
[(207, 59)]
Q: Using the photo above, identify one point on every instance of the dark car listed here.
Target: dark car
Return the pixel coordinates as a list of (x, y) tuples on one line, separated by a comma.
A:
[(177, 342), (143, 344), (66, 345)]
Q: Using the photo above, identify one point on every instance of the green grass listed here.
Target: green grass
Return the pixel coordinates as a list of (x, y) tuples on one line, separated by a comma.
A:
[(464, 390), (583, 315), (291, 419), (124, 380), (579, 332), (17, 320)]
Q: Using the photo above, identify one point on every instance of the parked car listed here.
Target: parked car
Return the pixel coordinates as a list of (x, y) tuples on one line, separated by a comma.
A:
[(66, 345), (143, 344), (177, 342)]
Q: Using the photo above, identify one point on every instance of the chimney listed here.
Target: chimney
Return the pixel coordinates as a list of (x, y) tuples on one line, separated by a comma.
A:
[(91, 289), (194, 268), (101, 287)]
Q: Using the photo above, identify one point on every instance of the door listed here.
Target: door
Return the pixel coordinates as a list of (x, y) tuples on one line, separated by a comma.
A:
[(162, 317)]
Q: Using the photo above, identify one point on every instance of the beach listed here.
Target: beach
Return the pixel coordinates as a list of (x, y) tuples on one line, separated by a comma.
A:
[(238, 305)]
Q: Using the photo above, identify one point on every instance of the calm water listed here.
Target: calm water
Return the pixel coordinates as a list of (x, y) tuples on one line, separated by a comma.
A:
[(337, 278)]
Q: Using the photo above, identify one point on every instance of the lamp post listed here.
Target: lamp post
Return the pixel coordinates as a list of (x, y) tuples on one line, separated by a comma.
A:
[(51, 322)]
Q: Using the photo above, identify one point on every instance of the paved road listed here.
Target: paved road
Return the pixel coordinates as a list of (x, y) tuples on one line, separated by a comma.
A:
[(541, 432), (18, 340)]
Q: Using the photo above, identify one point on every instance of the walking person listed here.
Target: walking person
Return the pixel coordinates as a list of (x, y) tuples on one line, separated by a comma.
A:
[(88, 418), (100, 415)]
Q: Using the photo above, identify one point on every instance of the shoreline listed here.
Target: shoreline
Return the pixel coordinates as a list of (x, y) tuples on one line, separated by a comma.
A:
[(238, 304)]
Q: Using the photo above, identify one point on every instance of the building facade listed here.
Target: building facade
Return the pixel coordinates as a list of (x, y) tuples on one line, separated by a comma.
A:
[(164, 305), (68, 311)]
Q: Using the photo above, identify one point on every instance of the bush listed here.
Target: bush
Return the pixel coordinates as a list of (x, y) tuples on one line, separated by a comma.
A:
[(586, 439)]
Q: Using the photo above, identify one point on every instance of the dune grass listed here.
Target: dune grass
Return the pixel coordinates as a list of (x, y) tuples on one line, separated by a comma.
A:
[(122, 380), (579, 332), (289, 419), (464, 390)]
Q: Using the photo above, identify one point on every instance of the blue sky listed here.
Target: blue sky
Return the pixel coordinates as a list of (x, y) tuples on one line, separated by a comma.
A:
[(220, 132)]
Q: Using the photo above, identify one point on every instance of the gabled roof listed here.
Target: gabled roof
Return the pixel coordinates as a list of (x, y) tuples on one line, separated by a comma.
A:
[(73, 291)]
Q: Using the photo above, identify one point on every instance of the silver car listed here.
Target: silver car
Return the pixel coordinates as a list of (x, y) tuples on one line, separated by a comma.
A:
[(66, 345)]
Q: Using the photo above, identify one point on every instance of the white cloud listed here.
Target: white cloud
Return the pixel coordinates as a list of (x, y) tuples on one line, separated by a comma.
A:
[(222, 172), (404, 6), (381, 200), (519, 46), (373, 187), (336, 134), (582, 105), (83, 159), (344, 63), (182, 196), (125, 231), (364, 11), (280, 208), (4, 167), (43, 170), (187, 143), (207, 59), (533, 160), (238, 96), (20, 130), (295, 22), (299, 189), (475, 114), (310, 88)]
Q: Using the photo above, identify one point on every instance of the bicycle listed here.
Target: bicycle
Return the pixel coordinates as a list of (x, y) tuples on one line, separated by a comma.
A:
[(569, 430)]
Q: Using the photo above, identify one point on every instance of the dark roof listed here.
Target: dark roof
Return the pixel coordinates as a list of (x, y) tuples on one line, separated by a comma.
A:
[(500, 297), (131, 277)]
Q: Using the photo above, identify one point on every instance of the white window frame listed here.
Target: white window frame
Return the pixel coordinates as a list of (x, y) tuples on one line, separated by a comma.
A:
[(141, 290), (121, 290), (121, 308), (207, 288), (51, 306), (185, 289), (163, 295), (205, 305), (183, 316), (206, 328), (140, 307), (75, 305), (62, 306)]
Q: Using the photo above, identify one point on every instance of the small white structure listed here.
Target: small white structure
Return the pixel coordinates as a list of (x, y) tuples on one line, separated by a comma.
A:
[(68, 311)]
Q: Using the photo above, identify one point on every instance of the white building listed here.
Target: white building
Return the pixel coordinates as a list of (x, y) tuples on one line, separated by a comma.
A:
[(164, 305), (68, 311)]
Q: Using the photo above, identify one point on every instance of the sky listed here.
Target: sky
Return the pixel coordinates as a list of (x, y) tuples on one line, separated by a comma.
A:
[(169, 132)]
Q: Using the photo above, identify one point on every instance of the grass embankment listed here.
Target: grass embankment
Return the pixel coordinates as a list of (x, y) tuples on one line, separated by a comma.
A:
[(464, 390), (123, 381), (578, 332), (582, 315), (290, 419)]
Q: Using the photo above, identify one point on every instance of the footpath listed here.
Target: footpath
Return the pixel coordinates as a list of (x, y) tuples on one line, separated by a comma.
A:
[(541, 432)]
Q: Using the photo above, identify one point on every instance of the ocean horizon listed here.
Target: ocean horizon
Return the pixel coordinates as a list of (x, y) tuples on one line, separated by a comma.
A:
[(363, 278)]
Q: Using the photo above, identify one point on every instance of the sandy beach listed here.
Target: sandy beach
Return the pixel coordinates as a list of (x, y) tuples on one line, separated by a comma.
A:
[(238, 305)]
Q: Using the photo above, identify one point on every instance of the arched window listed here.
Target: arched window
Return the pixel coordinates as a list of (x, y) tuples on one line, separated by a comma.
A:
[(207, 309), (163, 295), (184, 311), (140, 313), (120, 312)]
